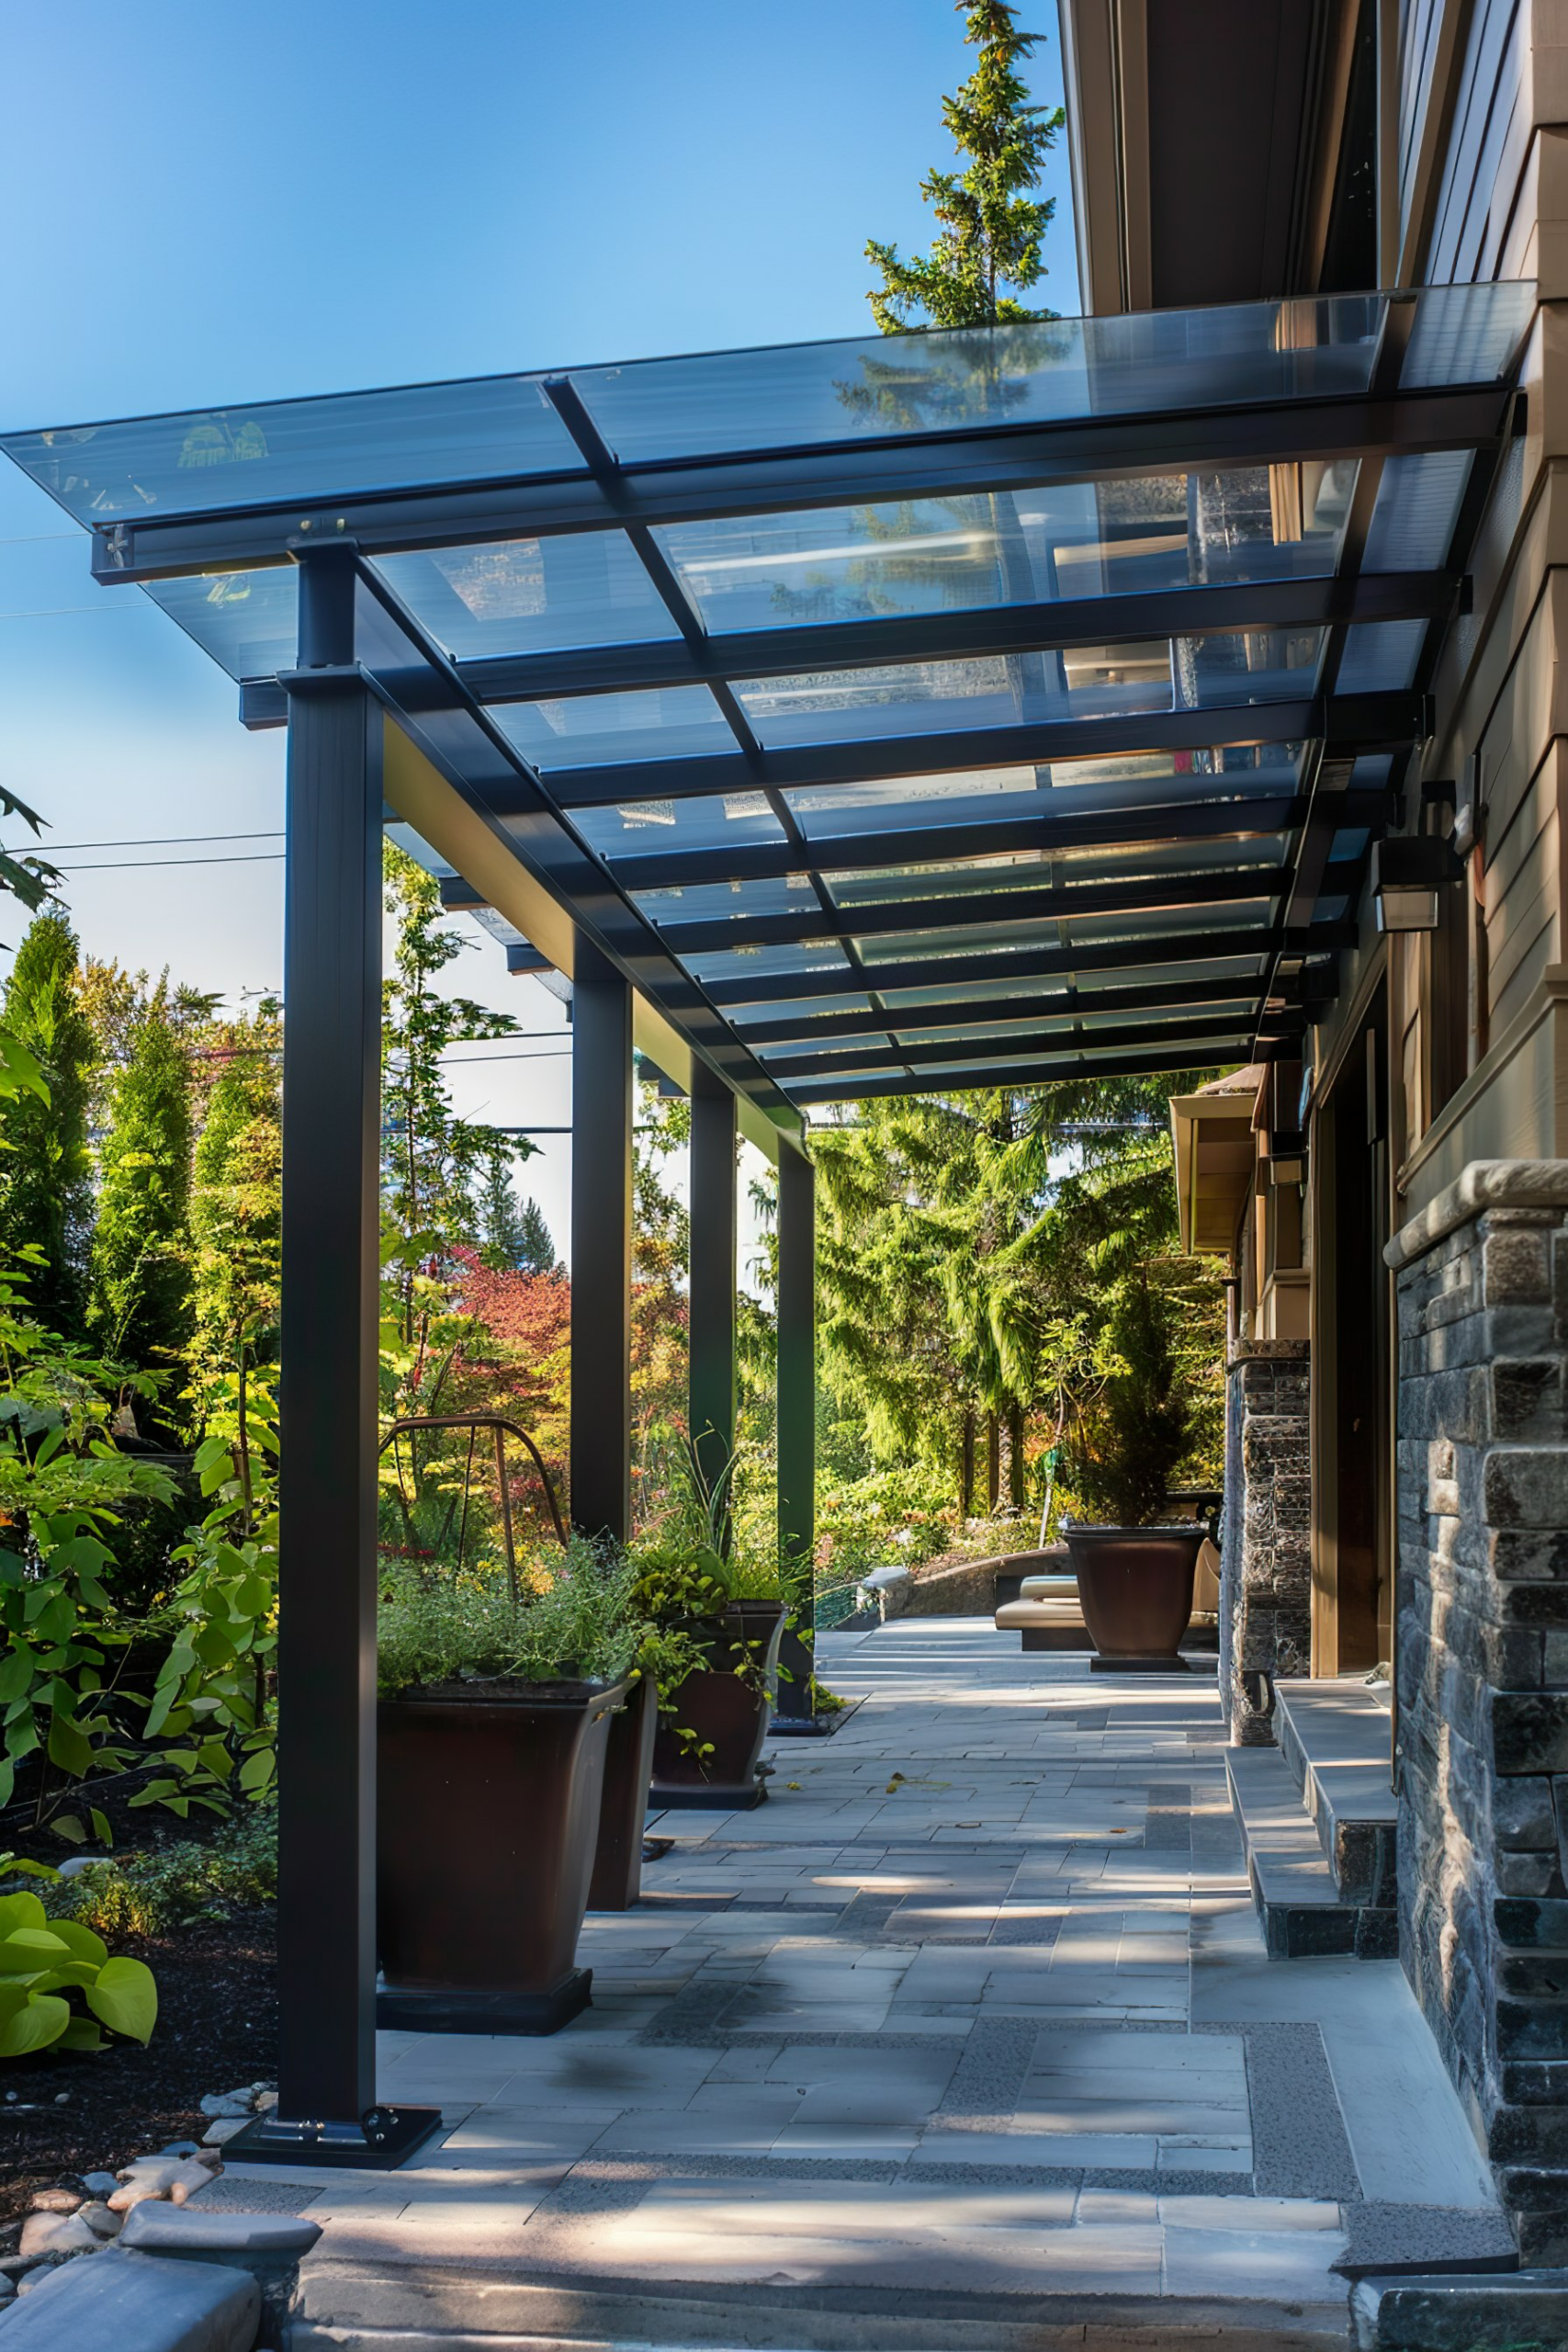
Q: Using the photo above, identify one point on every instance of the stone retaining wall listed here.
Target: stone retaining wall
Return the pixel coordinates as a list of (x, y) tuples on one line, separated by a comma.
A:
[(1482, 1663), (1266, 1555)]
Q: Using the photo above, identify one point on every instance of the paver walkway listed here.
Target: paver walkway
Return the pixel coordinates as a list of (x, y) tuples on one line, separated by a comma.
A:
[(974, 2005)]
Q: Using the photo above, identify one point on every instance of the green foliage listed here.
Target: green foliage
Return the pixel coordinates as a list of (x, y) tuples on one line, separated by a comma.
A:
[(900, 1516), (140, 1308), (215, 1701), (512, 1237), (46, 1198), (576, 1623), (62, 1484), (1134, 1432), (44, 1962), (430, 1158), (176, 1886), (236, 1204), (991, 228)]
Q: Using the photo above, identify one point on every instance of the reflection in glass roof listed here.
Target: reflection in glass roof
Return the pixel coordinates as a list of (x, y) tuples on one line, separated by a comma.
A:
[(593, 730), (531, 595), (1072, 540), (572, 541), (654, 828)]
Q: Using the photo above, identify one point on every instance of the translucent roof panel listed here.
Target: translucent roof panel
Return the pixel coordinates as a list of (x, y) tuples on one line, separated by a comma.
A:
[(1041, 374), (248, 621), (1075, 869), (504, 428), (531, 595), (713, 901), (593, 730), (657, 828), (1074, 539), (1380, 654), (746, 964), (1416, 510), (1063, 788), (1092, 682), (206, 459)]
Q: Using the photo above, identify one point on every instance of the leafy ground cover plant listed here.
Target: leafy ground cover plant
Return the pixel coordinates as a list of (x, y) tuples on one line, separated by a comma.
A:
[(45, 1961), (184, 1884)]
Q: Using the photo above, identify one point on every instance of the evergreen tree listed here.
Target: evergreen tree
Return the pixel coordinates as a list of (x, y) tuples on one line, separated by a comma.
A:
[(513, 1238), (236, 1210), (141, 1311), (991, 228), (536, 1254), (46, 1198)]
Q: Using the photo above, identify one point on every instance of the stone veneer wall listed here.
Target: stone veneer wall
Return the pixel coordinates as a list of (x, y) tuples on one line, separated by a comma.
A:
[(1482, 1663), (1266, 1555)]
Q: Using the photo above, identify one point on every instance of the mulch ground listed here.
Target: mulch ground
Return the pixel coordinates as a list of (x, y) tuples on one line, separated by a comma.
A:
[(217, 2028)]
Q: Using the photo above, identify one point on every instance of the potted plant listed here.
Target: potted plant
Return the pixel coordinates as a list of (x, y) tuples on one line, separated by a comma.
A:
[(719, 1607), (494, 1719), (1134, 1567)]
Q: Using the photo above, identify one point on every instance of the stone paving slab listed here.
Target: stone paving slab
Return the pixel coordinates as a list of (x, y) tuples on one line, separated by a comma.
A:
[(947, 2014)]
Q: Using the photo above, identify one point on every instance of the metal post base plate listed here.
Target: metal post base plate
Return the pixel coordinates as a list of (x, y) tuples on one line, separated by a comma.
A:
[(385, 2138)]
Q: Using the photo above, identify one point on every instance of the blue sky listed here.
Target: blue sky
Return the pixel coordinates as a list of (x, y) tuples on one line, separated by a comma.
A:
[(206, 205)]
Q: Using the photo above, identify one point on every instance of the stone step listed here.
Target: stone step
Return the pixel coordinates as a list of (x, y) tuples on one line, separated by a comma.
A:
[(1525, 2312), (1301, 1910), (472, 2306), (1335, 1736)]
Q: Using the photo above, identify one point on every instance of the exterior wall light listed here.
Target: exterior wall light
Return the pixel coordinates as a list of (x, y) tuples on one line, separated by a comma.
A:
[(1408, 876), (1287, 1156)]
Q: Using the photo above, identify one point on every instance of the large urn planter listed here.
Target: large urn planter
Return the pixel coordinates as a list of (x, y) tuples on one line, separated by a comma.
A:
[(623, 1812), (488, 1810), (1135, 1592), (727, 1712)]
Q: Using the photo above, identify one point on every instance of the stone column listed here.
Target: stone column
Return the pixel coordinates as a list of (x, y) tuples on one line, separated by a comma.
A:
[(1266, 1555), (1482, 1663)]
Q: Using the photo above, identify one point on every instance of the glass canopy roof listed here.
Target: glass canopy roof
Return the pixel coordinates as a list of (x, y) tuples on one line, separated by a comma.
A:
[(945, 707)]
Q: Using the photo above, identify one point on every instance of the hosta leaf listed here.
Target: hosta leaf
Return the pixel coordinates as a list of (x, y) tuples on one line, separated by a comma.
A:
[(81, 2034), (43, 2020), (79, 1941), (125, 1998), (22, 1910)]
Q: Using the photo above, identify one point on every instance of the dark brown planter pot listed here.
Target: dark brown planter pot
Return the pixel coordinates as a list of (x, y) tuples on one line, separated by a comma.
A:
[(488, 1813), (1135, 1592), (628, 1769), (722, 1710)]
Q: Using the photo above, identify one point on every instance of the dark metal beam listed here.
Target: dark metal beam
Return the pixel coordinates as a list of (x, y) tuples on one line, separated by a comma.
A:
[(601, 1247), (1042, 831), (1036, 964), (976, 909), (966, 1078), (332, 963), (853, 473), (948, 636), (977, 1013), (710, 1417), (1212, 1029), (796, 1417)]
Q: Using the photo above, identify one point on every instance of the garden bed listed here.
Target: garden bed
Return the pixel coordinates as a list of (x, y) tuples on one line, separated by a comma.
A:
[(217, 2026)]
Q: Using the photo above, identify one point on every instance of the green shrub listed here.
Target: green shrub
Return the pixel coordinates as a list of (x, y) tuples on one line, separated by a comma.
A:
[(437, 1628), (177, 1885)]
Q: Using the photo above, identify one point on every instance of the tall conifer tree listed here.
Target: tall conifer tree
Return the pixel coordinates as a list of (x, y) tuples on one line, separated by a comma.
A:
[(46, 1195), (991, 227), (141, 1276)]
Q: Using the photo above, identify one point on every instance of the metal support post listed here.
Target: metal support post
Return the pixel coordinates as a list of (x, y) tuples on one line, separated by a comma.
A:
[(601, 1246), (327, 1401), (796, 1425), (711, 1363)]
